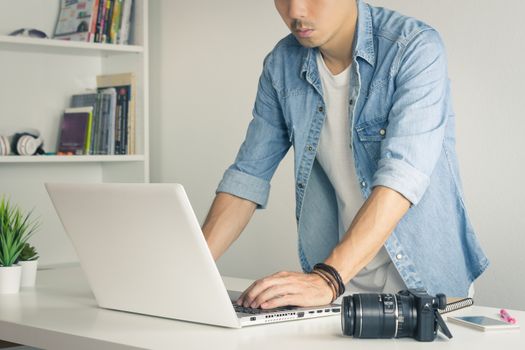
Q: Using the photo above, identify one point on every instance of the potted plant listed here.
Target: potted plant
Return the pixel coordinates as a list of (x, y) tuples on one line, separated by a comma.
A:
[(28, 259), (16, 228)]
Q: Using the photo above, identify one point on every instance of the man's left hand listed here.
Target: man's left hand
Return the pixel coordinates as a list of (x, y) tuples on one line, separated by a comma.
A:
[(287, 288)]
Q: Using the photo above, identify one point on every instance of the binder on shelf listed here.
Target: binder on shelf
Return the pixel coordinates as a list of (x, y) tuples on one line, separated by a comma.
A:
[(88, 99), (75, 131)]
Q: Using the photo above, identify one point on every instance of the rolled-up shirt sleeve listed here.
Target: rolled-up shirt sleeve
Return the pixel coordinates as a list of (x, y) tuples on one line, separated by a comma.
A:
[(417, 119), (265, 145)]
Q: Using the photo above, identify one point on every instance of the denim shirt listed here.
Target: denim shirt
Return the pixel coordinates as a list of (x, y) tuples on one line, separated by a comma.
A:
[(403, 137)]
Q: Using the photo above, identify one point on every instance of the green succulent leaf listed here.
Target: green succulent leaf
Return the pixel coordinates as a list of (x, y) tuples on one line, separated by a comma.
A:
[(28, 253)]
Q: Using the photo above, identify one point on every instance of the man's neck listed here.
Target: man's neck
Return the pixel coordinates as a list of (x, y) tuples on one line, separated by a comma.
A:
[(337, 51)]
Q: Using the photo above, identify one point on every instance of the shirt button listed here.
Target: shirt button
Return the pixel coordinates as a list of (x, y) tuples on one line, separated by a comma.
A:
[(399, 256), (382, 132), (301, 186), (310, 148), (321, 109), (351, 102), (363, 184)]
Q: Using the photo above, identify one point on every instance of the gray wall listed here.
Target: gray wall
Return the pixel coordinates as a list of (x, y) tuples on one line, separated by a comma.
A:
[(206, 57)]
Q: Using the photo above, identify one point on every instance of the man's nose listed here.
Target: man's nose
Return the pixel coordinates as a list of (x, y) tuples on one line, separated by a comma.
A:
[(297, 9)]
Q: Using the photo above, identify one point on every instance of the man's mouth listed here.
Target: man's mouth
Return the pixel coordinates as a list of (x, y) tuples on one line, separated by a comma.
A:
[(304, 32)]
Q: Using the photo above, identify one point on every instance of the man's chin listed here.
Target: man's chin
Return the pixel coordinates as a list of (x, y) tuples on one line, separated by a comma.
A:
[(308, 43)]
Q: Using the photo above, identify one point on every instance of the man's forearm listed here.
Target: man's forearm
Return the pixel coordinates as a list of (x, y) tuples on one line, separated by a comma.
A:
[(369, 230), (227, 217)]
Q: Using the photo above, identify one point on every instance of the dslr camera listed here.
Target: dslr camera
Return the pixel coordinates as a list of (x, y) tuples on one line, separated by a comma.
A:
[(409, 313)]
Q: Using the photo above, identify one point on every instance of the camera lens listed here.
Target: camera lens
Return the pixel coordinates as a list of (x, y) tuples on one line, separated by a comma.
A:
[(378, 316)]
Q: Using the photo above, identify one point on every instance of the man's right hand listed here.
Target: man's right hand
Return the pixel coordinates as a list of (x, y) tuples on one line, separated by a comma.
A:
[(287, 288)]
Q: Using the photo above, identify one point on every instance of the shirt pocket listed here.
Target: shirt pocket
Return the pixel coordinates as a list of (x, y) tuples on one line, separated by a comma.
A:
[(370, 134)]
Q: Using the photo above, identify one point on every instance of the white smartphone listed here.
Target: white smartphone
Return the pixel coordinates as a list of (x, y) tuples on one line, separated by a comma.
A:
[(482, 323)]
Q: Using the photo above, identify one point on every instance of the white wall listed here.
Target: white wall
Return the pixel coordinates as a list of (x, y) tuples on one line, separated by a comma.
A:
[(206, 57)]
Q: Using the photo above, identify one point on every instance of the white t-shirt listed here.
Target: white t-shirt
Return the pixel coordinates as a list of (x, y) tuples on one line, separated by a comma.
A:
[(335, 156)]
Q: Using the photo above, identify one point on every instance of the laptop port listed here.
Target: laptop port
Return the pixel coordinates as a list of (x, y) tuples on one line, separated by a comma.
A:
[(253, 318), (319, 311), (326, 310), (300, 314), (311, 312), (336, 310)]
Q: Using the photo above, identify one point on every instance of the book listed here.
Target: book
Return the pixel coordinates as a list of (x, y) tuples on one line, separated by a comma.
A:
[(94, 16), (112, 125), (115, 21), (109, 98), (125, 85), (121, 119), (97, 129), (103, 138), (125, 23), (88, 99), (125, 95), (75, 129), (107, 21), (100, 15), (75, 20)]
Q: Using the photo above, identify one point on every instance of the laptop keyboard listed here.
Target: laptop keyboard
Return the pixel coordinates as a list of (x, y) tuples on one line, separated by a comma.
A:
[(249, 310)]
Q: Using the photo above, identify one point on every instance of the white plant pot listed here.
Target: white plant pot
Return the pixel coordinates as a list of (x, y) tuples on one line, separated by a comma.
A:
[(28, 273), (10, 279)]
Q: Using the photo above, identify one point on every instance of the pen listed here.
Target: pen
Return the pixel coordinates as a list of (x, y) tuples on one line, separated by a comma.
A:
[(505, 316)]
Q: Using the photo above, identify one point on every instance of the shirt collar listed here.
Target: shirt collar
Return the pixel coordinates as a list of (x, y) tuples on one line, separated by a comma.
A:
[(363, 45)]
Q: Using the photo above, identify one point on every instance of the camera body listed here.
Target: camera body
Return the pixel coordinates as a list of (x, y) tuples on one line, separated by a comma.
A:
[(426, 307), (410, 313)]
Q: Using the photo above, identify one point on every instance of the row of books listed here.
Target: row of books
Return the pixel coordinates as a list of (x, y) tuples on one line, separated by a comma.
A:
[(100, 21), (102, 121)]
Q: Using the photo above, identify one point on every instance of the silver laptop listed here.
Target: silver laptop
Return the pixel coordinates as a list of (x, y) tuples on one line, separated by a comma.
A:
[(143, 251)]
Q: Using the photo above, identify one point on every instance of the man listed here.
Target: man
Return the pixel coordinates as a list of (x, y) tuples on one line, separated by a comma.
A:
[(362, 95)]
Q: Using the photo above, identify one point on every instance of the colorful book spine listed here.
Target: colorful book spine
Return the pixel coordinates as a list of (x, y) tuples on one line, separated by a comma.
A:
[(115, 21), (93, 25), (125, 22), (87, 141), (102, 21), (107, 21)]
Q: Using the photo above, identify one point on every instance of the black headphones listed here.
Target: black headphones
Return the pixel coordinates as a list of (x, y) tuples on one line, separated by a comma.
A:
[(22, 144)]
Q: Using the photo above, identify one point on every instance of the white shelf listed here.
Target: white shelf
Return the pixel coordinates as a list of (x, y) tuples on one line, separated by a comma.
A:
[(37, 79), (64, 46), (72, 159)]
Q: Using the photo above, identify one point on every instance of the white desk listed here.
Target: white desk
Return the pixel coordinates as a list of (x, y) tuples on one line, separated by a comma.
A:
[(61, 313)]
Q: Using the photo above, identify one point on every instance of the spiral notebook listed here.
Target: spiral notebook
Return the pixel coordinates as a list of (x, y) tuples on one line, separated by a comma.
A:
[(457, 304)]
